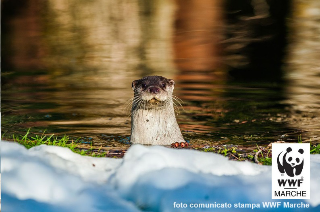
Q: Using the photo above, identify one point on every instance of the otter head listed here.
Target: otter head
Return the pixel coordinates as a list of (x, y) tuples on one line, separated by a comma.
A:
[(152, 92)]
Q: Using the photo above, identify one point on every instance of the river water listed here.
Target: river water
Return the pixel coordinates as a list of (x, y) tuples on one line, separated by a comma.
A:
[(68, 67)]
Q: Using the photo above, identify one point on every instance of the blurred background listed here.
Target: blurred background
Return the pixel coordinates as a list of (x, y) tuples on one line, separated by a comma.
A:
[(247, 70)]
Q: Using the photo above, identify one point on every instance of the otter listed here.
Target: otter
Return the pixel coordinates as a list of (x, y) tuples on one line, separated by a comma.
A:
[(153, 118)]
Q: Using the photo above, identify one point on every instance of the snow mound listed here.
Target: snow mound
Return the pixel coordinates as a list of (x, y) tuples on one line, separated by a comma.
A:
[(49, 178)]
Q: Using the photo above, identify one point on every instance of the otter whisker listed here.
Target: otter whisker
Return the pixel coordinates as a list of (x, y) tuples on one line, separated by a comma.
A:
[(136, 104), (179, 101), (176, 108), (136, 101), (128, 106), (129, 101)]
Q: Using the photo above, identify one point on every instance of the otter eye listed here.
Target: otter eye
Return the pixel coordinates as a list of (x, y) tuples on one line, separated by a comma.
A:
[(144, 85), (163, 85)]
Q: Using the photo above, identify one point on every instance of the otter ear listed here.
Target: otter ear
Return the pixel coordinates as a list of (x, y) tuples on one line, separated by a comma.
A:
[(134, 83), (171, 82)]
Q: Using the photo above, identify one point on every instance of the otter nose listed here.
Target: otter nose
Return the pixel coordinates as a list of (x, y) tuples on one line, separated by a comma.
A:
[(154, 90)]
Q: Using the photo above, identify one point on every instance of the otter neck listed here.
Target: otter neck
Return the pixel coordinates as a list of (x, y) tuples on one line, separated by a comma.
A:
[(156, 126)]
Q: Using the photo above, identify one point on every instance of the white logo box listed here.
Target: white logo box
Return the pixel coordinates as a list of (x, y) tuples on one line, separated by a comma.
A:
[(290, 171)]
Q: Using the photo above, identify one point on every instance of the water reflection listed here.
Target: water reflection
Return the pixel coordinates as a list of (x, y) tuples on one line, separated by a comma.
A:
[(69, 65), (303, 89)]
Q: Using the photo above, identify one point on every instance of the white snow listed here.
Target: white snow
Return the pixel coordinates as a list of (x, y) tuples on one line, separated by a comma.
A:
[(49, 178)]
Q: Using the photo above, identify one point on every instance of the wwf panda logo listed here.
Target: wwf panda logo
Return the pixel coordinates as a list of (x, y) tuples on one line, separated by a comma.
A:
[(292, 162)]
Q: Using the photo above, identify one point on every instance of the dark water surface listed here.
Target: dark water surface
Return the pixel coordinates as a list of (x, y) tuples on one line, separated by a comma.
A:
[(68, 68)]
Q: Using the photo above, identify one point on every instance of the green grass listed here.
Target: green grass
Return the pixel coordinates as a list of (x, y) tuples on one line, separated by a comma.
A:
[(315, 149), (259, 155), (30, 141), (223, 150), (265, 159)]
